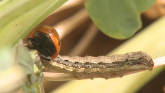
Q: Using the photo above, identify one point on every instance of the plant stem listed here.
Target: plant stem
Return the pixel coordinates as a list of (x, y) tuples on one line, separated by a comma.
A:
[(66, 26), (85, 41)]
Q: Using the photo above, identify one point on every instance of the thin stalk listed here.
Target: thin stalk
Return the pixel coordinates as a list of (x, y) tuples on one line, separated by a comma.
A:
[(85, 41), (66, 26)]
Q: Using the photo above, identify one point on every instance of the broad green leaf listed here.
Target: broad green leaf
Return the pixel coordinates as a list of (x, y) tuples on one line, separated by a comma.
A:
[(142, 5), (15, 8), (117, 18), (19, 17)]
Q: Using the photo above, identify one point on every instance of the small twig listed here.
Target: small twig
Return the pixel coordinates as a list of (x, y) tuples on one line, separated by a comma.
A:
[(97, 67), (66, 26), (85, 41)]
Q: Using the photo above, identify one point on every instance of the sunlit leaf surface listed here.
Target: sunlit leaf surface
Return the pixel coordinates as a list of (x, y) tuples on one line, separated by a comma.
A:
[(19, 17), (117, 18)]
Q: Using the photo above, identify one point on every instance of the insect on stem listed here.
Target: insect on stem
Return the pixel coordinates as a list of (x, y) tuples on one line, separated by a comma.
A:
[(98, 67)]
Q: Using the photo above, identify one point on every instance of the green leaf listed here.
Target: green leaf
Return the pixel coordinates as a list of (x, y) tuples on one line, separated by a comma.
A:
[(142, 5), (19, 17), (117, 18)]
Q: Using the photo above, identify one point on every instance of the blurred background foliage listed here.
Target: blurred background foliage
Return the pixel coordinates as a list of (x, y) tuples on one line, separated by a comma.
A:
[(142, 28)]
